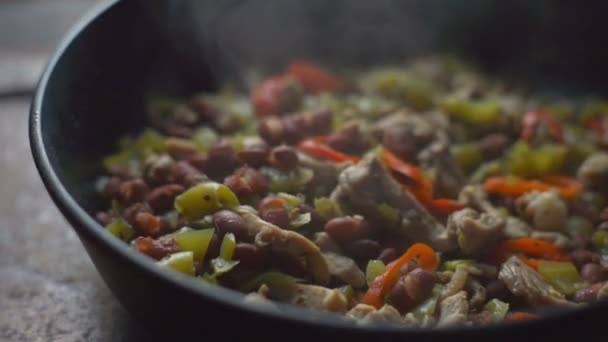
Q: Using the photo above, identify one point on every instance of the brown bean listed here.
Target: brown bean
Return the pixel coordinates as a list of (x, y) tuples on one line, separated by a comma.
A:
[(156, 249), (180, 149), (161, 199), (387, 255), (593, 273), (251, 256), (271, 130), (132, 191), (316, 220), (222, 160), (185, 174), (587, 294), (401, 142), (131, 211), (112, 188), (147, 224), (247, 181), (362, 249), (120, 171), (493, 145), (284, 158), (277, 216), (226, 221), (347, 228), (178, 131), (399, 297), (255, 155), (419, 284), (581, 257), (320, 122)]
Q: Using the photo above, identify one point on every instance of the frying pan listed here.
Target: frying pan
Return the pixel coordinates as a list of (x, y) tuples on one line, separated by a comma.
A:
[(95, 88)]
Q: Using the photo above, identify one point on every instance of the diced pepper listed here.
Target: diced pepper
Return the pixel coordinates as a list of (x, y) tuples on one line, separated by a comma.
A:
[(204, 138), (266, 96), (195, 241), (513, 187), (227, 247), (121, 229), (485, 170), (389, 213), (281, 285), (374, 269), (409, 171), (562, 275), (533, 119), (319, 150), (600, 239), (527, 247), (451, 265), (468, 155), (313, 78), (327, 208), (444, 206), (526, 162), (205, 198), (473, 112), (421, 253), (287, 181), (291, 200), (181, 261)]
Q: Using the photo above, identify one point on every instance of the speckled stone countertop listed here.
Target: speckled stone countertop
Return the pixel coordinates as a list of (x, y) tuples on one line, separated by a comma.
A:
[(49, 289)]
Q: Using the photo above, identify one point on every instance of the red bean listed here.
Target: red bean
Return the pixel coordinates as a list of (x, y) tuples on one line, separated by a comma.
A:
[(581, 257), (319, 123), (388, 255), (226, 221), (131, 211), (497, 289), (284, 158), (277, 216), (255, 155), (401, 142), (251, 256), (156, 249), (419, 284), (247, 181), (185, 174), (132, 191), (112, 188), (222, 160), (593, 273), (399, 297), (346, 228), (271, 130), (587, 294), (180, 149), (161, 199), (294, 127)]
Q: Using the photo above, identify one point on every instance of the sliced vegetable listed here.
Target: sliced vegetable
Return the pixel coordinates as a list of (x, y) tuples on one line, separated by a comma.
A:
[(451, 265), (526, 162), (497, 308), (321, 151), (205, 198), (287, 181), (562, 275), (444, 206), (121, 229), (428, 307), (373, 270), (421, 253), (468, 155), (281, 285), (195, 241), (182, 262), (327, 208), (410, 172), (227, 247), (472, 112), (600, 239), (528, 247), (514, 187)]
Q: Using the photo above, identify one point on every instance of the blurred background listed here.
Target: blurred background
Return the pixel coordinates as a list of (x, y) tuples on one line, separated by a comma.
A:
[(49, 289)]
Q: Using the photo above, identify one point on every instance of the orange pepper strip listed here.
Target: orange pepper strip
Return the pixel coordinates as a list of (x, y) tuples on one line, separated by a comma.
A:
[(445, 205), (520, 316), (321, 151), (527, 248), (422, 253), (402, 168), (313, 78), (567, 187)]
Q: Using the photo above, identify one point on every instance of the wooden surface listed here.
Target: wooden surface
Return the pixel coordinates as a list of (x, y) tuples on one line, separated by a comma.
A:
[(49, 289)]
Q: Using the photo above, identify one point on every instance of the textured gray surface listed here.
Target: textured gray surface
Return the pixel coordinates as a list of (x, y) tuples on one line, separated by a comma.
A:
[(49, 289)]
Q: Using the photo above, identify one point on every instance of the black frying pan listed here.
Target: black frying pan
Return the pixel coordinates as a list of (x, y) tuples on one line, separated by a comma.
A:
[(95, 87)]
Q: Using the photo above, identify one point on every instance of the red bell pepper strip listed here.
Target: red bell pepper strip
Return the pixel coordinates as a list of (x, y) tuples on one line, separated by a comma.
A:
[(533, 119), (319, 150), (444, 206), (527, 248), (520, 316), (567, 187), (402, 168), (266, 96), (313, 78), (425, 257)]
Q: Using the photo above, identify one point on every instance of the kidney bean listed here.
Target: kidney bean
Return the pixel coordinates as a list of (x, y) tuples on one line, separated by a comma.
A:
[(419, 284), (349, 140), (346, 228), (587, 294), (132, 191), (185, 174), (362, 249), (581, 257), (119, 171), (387, 255), (206, 112), (161, 198), (294, 129), (251, 256), (493, 145), (131, 211), (156, 249), (222, 160), (593, 273), (255, 155), (247, 181), (319, 122), (277, 216), (271, 130), (226, 221), (399, 297), (284, 158), (316, 220), (401, 142), (180, 149)]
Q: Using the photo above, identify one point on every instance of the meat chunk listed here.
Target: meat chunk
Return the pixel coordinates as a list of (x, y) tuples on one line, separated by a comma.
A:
[(368, 185), (475, 231), (524, 282), (437, 157), (545, 210), (325, 175), (345, 269), (593, 172), (477, 291), (286, 242), (326, 243), (457, 282), (453, 309), (366, 313), (319, 297)]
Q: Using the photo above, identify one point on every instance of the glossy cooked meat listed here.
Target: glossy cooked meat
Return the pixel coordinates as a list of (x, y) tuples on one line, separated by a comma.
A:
[(419, 195)]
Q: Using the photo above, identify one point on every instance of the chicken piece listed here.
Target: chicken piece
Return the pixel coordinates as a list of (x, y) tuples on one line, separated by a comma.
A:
[(475, 231), (287, 242), (437, 157), (319, 297), (516, 228), (345, 269), (368, 185), (260, 299), (326, 243), (325, 175), (593, 172), (545, 210), (524, 282), (453, 309), (457, 282), (366, 313)]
